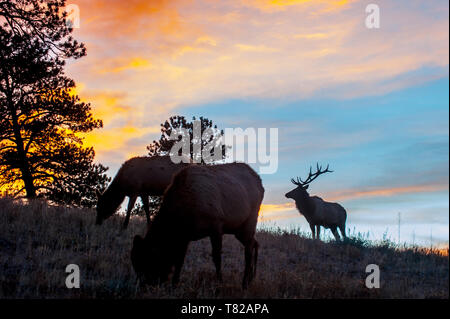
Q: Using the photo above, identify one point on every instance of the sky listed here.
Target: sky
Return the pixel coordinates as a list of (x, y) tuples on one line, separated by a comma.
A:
[(371, 102)]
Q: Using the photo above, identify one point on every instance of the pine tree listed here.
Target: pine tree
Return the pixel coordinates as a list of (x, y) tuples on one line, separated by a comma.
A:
[(41, 153), (164, 145)]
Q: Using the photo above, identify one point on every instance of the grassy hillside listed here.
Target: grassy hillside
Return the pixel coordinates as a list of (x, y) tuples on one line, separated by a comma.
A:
[(37, 242)]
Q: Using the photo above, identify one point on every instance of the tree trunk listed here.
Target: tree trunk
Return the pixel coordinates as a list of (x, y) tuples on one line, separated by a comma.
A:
[(23, 162), (28, 180), (25, 169)]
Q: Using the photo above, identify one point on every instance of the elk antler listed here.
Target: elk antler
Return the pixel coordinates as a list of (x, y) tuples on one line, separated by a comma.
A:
[(311, 176)]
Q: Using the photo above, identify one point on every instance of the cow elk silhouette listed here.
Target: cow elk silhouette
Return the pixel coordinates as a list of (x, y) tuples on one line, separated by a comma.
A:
[(137, 177), (317, 211), (202, 201)]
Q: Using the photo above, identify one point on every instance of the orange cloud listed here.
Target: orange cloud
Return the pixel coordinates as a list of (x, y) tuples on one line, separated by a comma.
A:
[(134, 24), (116, 139), (274, 5), (106, 105), (311, 36), (115, 17), (255, 48), (188, 52), (271, 212), (272, 208), (121, 123), (383, 192), (124, 64)]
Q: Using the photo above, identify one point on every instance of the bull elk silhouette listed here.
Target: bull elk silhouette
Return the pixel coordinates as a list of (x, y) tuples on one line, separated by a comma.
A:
[(137, 177), (317, 211), (202, 201)]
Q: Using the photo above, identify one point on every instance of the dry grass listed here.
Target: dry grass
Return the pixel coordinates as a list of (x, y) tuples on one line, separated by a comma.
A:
[(37, 242)]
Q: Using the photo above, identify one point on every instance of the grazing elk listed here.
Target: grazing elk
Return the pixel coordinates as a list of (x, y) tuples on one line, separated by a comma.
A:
[(202, 201), (138, 177), (317, 211)]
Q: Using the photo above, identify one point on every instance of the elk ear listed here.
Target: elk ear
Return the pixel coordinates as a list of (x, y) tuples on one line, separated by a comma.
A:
[(305, 187)]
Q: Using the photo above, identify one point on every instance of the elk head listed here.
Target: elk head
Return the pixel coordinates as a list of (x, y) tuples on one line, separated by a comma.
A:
[(106, 206), (150, 261), (300, 193)]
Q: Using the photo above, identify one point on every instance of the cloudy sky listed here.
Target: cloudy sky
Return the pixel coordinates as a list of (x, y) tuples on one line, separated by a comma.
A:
[(373, 103)]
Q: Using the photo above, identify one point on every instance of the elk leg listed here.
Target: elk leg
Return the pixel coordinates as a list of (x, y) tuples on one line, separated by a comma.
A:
[(313, 230), (247, 271), (318, 231), (129, 209), (179, 260), (342, 229), (250, 246), (255, 258), (335, 233), (251, 251), (144, 199), (216, 243)]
